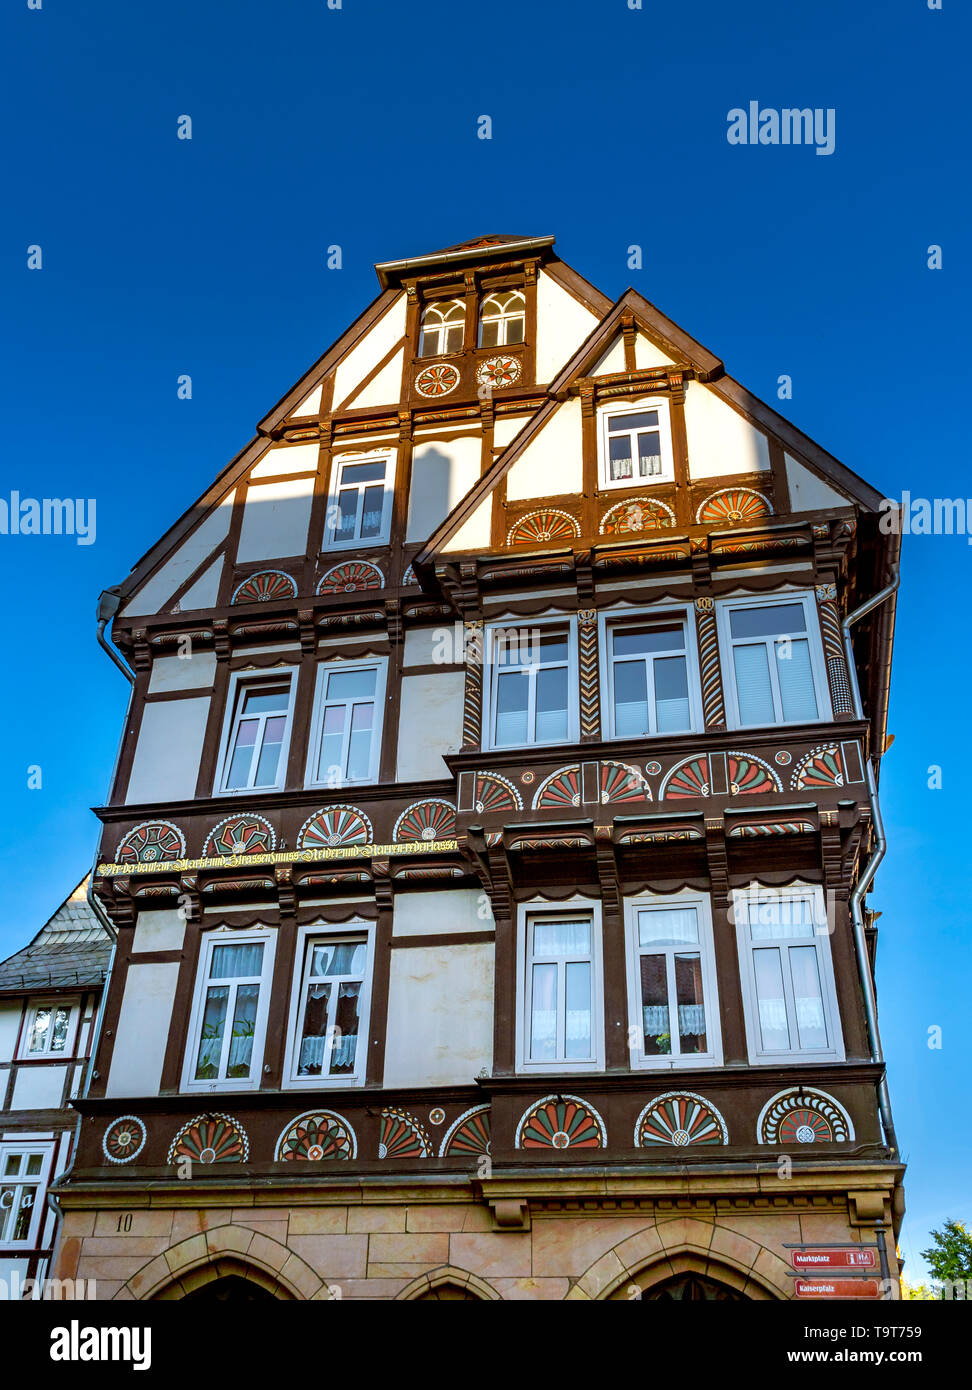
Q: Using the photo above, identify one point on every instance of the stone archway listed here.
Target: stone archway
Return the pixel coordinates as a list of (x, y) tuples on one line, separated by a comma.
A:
[(225, 1252), (447, 1283)]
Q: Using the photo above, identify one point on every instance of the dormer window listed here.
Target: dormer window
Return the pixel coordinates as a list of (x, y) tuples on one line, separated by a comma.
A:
[(443, 328), (636, 445), (502, 319)]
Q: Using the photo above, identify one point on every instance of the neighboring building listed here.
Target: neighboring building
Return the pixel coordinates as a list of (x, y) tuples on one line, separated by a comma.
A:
[(470, 704), (49, 997)]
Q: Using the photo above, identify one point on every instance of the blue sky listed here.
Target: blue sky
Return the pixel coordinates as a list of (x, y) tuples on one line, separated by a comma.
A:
[(313, 127)]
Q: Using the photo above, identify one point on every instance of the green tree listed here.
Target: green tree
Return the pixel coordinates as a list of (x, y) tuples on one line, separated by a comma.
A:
[(950, 1257)]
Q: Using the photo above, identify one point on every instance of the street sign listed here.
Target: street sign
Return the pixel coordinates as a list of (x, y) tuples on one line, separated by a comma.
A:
[(810, 1257), (836, 1288)]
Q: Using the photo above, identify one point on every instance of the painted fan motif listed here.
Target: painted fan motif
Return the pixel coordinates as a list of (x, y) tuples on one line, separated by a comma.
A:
[(748, 775), (337, 825), (260, 588), (470, 1135), (402, 1136), (621, 782), (802, 1115), (823, 767), (561, 788), (680, 1118), (213, 1138), (690, 779), (316, 1136), (246, 833), (547, 524), (734, 504), (152, 842), (351, 577), (561, 1122), (426, 820), (495, 793)]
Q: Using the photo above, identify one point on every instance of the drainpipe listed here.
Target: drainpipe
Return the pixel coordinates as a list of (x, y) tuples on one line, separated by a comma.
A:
[(870, 869)]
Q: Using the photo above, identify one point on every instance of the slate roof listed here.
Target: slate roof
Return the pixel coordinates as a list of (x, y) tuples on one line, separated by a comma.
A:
[(69, 951)]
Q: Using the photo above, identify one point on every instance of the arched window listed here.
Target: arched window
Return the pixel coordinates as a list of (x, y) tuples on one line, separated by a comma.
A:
[(501, 319), (443, 328)]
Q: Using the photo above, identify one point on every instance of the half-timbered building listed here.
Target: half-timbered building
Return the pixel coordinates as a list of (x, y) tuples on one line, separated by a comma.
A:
[(489, 842)]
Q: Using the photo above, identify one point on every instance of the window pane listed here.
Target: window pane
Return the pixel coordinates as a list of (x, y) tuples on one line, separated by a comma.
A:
[(34, 1164), (550, 647), (211, 1039), (266, 700), (353, 474), (244, 1027), (374, 503), (454, 338), (347, 515), (514, 330), (512, 693), (430, 343), (654, 1006), (779, 919), (39, 1030), (273, 733), (489, 335), (578, 1024), (638, 421), (638, 641), (649, 454), (668, 926), (59, 1036), (359, 746), (773, 1028), (796, 680), (753, 690), (24, 1211), (11, 1166), (671, 693), (630, 699), (562, 938), (807, 996), (767, 620), (345, 1041), (237, 962), (691, 1005), (619, 453), (314, 1037), (543, 1021), (349, 685), (551, 704), (332, 742), (338, 958)]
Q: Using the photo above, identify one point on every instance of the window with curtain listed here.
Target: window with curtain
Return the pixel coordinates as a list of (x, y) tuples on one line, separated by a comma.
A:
[(443, 327), (529, 686), (785, 946), (22, 1187), (359, 504), (771, 650), (329, 1013), (255, 752), (347, 723), (229, 1042), (559, 1004), (636, 446), (501, 319), (672, 963), (48, 1032), (649, 690)]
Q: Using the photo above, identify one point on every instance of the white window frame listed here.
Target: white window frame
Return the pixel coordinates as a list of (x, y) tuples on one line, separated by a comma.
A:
[(228, 937), (27, 1147), (274, 675), (818, 666), (356, 542), (441, 328), (319, 931), (501, 317), (379, 664), (541, 908), (637, 1058), (72, 1002), (758, 1056), (566, 622), (634, 407), (609, 619)]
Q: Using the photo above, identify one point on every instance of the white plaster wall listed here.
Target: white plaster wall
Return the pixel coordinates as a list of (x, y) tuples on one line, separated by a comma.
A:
[(506, 428), (275, 519), (440, 1015), (424, 646), (10, 1013), (311, 404), (443, 471), (562, 325), (474, 533), (154, 594), (205, 591), (454, 910), (551, 464), (196, 672), (648, 355), (143, 1030), (169, 748), (612, 360), (159, 929), (287, 458), (38, 1088), (720, 441), (430, 724), (375, 345), (386, 387), (808, 493)]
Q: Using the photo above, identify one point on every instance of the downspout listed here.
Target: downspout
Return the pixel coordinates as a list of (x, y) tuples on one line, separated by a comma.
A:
[(880, 847)]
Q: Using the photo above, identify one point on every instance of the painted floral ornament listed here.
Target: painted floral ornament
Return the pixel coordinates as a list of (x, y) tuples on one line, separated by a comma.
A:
[(498, 372), (438, 380), (124, 1139)]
